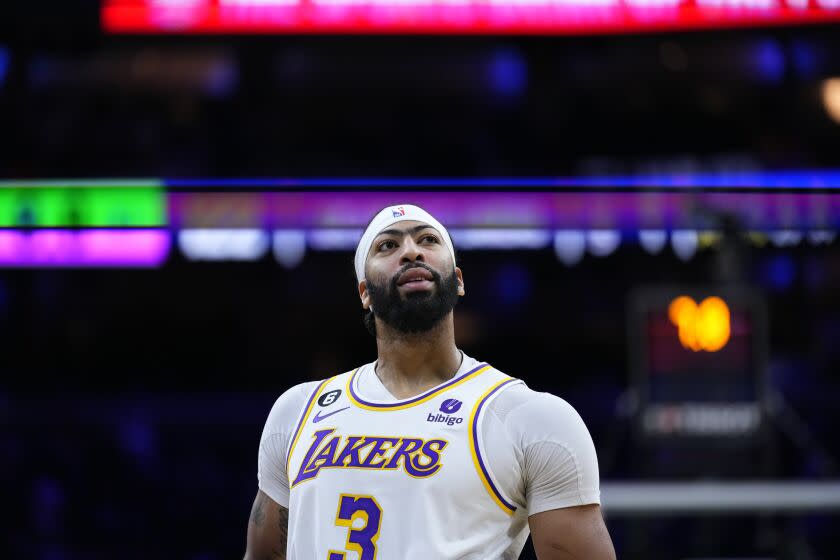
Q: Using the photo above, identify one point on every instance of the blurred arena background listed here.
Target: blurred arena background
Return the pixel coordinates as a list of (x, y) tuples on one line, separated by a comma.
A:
[(183, 184)]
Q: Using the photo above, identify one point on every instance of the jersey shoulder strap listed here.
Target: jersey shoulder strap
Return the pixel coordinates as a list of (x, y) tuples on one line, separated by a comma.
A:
[(325, 393)]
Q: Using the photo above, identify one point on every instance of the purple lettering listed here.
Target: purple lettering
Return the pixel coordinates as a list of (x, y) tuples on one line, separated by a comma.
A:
[(419, 458), (351, 451), (303, 474), (406, 448), (378, 450), (326, 457), (431, 450)]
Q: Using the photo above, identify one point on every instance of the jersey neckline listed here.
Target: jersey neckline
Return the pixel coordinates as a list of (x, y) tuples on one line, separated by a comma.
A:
[(356, 399)]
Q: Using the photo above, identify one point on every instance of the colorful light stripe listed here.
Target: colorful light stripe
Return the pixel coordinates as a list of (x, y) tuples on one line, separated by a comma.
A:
[(306, 412), (627, 211), (544, 17), (420, 399), (98, 247), (480, 467), (139, 203), (224, 244), (760, 180)]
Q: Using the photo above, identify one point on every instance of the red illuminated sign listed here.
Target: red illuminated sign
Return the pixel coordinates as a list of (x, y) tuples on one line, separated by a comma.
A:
[(563, 17)]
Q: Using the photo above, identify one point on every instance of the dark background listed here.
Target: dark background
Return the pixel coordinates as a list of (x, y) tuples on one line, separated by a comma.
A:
[(132, 401)]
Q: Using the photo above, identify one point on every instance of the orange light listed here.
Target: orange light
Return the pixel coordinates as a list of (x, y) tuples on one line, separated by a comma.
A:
[(703, 327), (713, 324), (682, 313)]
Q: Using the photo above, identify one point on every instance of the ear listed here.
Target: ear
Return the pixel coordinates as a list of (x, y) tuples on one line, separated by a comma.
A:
[(364, 295), (460, 276)]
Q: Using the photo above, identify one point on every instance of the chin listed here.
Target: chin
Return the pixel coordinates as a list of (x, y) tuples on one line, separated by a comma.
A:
[(419, 295)]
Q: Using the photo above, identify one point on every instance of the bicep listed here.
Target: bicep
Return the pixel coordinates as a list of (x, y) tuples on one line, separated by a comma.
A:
[(571, 533), (267, 529)]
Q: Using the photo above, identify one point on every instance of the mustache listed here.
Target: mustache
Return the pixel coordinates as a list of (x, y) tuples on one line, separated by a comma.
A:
[(409, 266)]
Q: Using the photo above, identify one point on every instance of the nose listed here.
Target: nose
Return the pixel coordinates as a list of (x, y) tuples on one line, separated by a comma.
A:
[(412, 252)]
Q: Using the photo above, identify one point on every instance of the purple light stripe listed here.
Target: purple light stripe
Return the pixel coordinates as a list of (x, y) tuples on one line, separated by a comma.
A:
[(792, 179), (627, 211), (300, 423), (415, 399), (478, 450), (97, 247)]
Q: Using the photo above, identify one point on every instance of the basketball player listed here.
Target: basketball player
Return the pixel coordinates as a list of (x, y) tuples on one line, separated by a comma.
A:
[(426, 453)]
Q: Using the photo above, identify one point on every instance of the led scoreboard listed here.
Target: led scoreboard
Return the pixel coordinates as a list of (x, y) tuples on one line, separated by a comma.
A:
[(698, 362), (562, 17)]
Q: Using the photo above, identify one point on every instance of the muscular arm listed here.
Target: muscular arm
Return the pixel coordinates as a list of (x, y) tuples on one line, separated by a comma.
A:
[(571, 533), (267, 530)]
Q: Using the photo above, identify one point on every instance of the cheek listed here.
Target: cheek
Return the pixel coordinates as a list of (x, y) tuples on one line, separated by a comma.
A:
[(443, 265), (379, 276), (375, 270)]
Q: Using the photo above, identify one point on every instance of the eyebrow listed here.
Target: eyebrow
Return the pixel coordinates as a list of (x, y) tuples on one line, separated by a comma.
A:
[(411, 231)]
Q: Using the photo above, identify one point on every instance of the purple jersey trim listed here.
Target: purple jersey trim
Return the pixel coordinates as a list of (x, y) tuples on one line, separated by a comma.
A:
[(303, 416), (478, 450), (414, 399)]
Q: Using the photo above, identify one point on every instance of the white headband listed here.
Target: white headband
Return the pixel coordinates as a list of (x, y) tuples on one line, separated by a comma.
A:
[(388, 217)]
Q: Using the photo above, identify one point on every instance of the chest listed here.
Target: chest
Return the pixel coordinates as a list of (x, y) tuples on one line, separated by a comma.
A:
[(421, 442)]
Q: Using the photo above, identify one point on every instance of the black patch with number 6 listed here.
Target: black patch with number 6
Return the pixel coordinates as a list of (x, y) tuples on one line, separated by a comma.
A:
[(328, 398)]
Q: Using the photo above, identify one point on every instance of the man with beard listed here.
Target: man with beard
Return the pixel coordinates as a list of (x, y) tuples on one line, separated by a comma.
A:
[(425, 453)]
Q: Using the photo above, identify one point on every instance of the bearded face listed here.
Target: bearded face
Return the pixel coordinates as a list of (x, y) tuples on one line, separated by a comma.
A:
[(414, 301)]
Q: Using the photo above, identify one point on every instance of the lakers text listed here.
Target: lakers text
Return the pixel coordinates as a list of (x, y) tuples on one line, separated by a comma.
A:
[(419, 458)]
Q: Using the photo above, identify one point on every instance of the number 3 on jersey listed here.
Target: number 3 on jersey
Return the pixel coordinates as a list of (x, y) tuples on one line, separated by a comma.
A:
[(362, 539)]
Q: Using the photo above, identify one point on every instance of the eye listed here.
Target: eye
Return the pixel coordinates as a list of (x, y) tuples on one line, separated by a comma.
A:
[(385, 245), (429, 236)]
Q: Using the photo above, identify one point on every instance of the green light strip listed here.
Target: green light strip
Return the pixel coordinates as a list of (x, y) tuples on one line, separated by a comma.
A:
[(112, 203)]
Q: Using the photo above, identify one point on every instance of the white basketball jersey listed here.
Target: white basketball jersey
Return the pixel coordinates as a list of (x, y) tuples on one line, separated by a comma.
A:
[(399, 481)]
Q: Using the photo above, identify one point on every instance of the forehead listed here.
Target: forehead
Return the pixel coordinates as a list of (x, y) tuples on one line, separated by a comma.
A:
[(406, 227)]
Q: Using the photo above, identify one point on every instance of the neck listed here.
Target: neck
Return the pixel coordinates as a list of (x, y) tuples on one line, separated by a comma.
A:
[(409, 364)]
